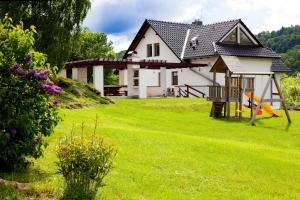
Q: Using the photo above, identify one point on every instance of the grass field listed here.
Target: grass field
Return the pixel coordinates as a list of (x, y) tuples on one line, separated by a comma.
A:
[(171, 149)]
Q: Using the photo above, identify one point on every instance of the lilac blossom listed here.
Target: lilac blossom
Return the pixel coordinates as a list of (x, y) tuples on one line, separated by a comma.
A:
[(13, 132), (50, 88), (27, 59), (31, 73), (17, 70), (43, 75)]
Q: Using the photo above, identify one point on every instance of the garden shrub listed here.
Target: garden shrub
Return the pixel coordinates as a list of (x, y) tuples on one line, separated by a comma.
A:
[(84, 163), (291, 89), (26, 113)]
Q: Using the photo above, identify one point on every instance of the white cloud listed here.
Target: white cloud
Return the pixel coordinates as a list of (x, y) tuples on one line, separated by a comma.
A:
[(268, 14), (120, 41), (128, 15)]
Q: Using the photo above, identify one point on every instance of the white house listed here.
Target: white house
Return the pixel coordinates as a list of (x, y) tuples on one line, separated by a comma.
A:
[(177, 59), (199, 43)]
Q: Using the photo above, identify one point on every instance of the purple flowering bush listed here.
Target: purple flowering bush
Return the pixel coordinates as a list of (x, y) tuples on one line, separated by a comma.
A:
[(27, 114)]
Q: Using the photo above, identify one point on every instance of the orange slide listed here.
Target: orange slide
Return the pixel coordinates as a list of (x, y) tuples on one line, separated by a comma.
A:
[(264, 106)]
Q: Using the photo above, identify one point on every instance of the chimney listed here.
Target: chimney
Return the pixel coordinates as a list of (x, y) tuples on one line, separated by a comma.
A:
[(197, 22)]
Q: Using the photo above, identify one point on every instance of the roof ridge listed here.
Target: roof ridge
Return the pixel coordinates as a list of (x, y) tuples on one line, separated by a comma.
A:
[(169, 22), (221, 22)]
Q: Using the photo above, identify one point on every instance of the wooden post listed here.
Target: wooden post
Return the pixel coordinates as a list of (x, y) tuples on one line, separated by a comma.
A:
[(261, 100), (228, 92), (214, 78), (240, 95), (281, 97), (271, 88), (252, 99), (187, 91), (236, 107)]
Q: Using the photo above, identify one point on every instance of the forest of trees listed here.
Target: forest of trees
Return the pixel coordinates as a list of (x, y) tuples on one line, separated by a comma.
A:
[(286, 42)]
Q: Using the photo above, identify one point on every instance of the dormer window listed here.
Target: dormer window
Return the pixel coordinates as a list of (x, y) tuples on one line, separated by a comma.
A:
[(231, 38), (149, 50), (239, 36), (244, 39)]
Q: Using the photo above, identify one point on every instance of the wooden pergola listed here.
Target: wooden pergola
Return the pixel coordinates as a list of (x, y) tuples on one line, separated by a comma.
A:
[(80, 67)]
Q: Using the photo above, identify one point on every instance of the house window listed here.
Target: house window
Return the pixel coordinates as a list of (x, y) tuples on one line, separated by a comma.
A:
[(156, 49), (136, 78), (175, 78), (244, 39), (149, 50), (69, 73), (231, 38), (158, 78)]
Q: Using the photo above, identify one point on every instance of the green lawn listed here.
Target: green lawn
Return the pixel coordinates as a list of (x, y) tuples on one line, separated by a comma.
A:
[(171, 149)]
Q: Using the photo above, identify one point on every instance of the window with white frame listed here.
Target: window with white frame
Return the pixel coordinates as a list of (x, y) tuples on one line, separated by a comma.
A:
[(175, 78), (149, 50), (136, 78), (238, 36), (231, 38), (244, 39), (156, 49)]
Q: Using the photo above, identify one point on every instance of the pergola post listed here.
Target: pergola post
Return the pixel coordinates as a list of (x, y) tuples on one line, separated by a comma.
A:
[(163, 80), (98, 78), (74, 73), (142, 83)]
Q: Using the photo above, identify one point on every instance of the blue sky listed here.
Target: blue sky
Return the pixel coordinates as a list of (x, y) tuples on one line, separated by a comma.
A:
[(121, 19)]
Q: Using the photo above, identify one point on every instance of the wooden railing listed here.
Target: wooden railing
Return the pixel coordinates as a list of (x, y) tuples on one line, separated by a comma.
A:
[(188, 90), (219, 93)]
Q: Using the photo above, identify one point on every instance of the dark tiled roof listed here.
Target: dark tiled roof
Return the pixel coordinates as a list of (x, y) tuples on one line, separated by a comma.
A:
[(279, 66), (207, 34), (240, 50), (173, 34)]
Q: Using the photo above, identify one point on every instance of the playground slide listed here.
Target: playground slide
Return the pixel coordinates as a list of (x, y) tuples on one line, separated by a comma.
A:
[(264, 106)]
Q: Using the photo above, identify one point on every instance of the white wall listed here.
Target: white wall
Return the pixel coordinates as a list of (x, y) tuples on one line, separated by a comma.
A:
[(150, 37), (123, 77), (187, 76)]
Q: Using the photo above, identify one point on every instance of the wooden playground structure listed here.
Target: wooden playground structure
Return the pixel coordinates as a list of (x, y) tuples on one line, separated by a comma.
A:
[(238, 84)]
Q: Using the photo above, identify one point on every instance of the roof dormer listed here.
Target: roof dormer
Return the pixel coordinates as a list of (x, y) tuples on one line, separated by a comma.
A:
[(239, 35)]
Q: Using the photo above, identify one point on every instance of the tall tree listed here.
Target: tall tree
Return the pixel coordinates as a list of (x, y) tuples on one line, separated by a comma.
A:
[(87, 45), (55, 20), (285, 41)]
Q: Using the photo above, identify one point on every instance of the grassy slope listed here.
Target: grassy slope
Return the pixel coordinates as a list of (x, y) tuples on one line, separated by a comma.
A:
[(171, 149), (78, 95)]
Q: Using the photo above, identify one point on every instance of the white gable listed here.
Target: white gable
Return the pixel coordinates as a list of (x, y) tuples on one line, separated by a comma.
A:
[(151, 37)]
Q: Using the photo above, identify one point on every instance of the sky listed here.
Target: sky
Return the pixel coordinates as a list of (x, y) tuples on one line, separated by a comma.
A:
[(121, 19)]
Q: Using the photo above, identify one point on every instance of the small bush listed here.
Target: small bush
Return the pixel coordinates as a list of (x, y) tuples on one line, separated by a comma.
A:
[(291, 90), (84, 163)]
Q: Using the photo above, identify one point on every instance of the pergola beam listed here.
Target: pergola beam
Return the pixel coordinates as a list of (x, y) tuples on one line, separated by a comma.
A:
[(122, 63)]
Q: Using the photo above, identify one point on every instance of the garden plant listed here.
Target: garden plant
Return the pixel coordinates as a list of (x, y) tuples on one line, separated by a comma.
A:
[(27, 113)]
